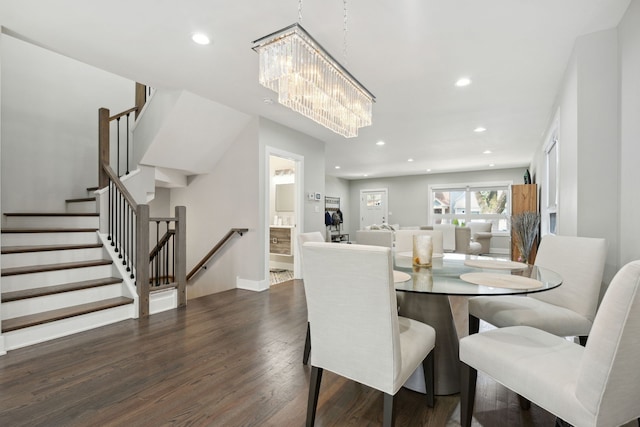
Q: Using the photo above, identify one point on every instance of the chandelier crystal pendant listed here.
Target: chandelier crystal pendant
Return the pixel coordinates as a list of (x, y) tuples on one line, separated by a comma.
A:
[(311, 82)]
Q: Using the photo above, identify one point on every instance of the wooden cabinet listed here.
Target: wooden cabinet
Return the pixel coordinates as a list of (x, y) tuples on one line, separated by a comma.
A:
[(524, 198), (280, 240)]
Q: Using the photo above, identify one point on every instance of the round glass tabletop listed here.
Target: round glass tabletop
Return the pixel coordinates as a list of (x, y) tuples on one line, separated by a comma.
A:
[(443, 277)]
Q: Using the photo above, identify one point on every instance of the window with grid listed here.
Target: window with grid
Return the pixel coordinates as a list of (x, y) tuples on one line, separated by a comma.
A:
[(462, 204)]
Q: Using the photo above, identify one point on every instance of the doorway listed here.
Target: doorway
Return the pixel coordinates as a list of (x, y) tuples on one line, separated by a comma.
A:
[(373, 207), (283, 215)]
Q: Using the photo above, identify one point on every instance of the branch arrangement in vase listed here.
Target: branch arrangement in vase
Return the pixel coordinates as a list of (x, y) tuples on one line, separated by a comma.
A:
[(525, 229)]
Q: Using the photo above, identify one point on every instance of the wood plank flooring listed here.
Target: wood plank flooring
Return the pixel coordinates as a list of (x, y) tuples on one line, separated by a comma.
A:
[(230, 359)]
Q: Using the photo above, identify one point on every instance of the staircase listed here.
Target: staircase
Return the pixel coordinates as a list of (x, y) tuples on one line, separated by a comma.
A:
[(57, 278)]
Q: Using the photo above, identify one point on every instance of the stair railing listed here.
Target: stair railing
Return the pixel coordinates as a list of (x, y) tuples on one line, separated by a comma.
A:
[(214, 250), (128, 223)]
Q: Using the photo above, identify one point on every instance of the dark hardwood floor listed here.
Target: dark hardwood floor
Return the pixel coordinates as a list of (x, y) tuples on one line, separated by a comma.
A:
[(230, 359)]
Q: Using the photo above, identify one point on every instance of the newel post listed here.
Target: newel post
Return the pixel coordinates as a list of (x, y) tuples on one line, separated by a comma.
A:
[(141, 97), (181, 254), (142, 259), (103, 146)]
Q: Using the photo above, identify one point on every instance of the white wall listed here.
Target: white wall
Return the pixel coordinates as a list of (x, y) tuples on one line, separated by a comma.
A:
[(409, 195), (312, 150), (232, 195), (228, 197), (589, 149), (2, 348), (50, 125), (629, 211)]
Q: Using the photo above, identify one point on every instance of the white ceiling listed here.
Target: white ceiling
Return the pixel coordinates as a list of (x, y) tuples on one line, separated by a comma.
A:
[(408, 53)]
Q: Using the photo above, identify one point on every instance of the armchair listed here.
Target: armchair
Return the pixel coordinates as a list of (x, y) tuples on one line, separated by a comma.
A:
[(481, 233), (595, 385)]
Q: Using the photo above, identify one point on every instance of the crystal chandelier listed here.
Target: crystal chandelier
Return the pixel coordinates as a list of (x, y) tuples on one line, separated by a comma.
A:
[(310, 81)]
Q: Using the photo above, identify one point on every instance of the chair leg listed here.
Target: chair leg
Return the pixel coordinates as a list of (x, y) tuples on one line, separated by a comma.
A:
[(474, 324), (314, 390), (307, 345), (468, 377), (429, 378), (388, 411), (583, 340)]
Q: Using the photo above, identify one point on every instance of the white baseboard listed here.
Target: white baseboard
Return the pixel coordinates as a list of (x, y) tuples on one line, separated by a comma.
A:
[(3, 351), (160, 301), (252, 285)]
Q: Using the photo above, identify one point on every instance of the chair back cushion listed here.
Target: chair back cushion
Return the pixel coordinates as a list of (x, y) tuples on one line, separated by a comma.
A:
[(352, 309), (448, 236), (463, 240), (580, 262), (375, 238), (609, 381), (479, 227), (312, 236), (404, 240)]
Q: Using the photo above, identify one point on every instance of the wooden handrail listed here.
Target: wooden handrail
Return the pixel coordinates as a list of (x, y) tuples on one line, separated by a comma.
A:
[(215, 249), (163, 241), (124, 113), (116, 181)]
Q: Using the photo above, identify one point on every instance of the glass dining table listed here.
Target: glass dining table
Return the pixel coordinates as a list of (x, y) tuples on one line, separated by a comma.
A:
[(423, 294)]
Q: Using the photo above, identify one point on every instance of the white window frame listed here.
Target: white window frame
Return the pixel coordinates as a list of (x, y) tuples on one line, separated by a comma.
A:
[(468, 216), (551, 156)]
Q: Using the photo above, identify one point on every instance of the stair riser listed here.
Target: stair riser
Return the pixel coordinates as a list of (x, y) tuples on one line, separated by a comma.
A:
[(48, 278), (51, 257), (48, 331), (52, 221), (53, 302), (82, 207), (30, 239)]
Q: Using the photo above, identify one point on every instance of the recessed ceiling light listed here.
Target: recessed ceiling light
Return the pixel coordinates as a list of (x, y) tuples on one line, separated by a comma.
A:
[(480, 129), (428, 170), (409, 160), (491, 165), (200, 38), (486, 152), (380, 143), (365, 175), (337, 167), (463, 81), (268, 101)]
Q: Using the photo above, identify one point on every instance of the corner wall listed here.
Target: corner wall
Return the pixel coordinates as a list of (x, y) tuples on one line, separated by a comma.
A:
[(227, 197), (588, 106), (50, 124), (629, 208)]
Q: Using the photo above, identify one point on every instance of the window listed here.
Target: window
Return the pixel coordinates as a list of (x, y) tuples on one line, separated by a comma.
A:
[(456, 204)]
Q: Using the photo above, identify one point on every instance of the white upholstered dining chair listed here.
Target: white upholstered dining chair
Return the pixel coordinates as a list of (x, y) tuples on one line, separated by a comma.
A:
[(356, 331), (595, 385), (312, 236), (568, 310)]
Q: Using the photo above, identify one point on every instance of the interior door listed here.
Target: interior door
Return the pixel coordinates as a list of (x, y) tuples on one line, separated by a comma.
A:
[(373, 207)]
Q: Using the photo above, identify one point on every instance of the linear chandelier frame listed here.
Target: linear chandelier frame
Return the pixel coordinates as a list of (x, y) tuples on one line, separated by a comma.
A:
[(312, 82)]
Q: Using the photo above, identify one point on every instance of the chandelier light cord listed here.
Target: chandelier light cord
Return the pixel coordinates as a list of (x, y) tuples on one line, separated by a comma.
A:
[(345, 28), (299, 11)]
